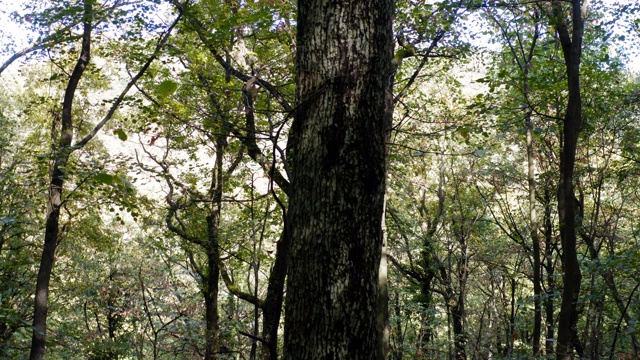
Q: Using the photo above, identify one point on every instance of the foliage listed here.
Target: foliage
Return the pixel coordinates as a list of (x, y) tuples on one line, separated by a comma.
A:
[(205, 134)]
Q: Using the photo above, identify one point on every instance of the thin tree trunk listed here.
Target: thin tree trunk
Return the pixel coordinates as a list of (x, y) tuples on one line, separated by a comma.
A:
[(383, 288), (535, 239), (572, 49), (61, 157), (511, 334), (255, 265), (455, 312), (459, 337), (399, 343), (428, 260), (533, 219), (533, 216), (338, 179), (383, 281), (272, 310), (609, 280), (550, 276), (213, 245), (211, 303), (113, 318)]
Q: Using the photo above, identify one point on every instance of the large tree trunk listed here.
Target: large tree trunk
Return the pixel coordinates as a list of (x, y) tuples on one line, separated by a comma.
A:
[(338, 179), (61, 157), (572, 49)]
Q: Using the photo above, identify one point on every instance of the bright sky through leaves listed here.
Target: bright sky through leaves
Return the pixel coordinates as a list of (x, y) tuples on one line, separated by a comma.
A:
[(13, 37)]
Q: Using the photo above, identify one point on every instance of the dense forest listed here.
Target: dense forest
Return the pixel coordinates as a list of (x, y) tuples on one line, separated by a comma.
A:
[(264, 179)]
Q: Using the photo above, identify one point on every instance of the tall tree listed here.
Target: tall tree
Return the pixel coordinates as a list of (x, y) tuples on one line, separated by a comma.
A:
[(55, 191), (522, 48), (257, 75), (337, 144), (572, 50), (62, 151)]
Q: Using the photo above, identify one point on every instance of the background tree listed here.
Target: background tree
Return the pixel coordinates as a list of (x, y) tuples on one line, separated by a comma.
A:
[(63, 133)]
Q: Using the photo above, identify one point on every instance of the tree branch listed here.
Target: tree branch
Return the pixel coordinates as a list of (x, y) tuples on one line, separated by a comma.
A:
[(233, 288), (129, 85)]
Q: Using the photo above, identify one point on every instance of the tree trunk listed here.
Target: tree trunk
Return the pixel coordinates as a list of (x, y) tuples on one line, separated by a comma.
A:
[(535, 239), (533, 216), (213, 246), (273, 302), (550, 273), (113, 318), (61, 157), (383, 288), (460, 339), (609, 280), (455, 309), (211, 303), (338, 179), (428, 261), (572, 49)]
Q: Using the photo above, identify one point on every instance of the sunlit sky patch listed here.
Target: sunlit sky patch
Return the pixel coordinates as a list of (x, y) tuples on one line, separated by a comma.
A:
[(14, 37)]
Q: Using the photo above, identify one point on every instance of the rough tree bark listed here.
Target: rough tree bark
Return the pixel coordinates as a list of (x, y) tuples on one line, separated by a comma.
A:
[(338, 179)]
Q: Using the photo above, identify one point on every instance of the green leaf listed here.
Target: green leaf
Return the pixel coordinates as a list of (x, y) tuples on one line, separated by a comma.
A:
[(464, 132), (167, 88), (121, 134), (104, 178), (126, 183)]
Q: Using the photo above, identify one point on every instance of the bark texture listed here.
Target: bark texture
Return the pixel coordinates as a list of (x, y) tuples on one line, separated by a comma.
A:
[(337, 150)]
